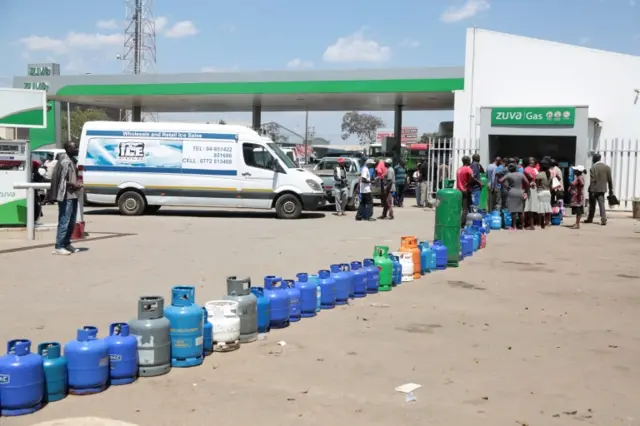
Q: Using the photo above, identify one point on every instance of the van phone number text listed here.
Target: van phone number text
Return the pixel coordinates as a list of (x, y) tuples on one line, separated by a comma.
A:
[(212, 148)]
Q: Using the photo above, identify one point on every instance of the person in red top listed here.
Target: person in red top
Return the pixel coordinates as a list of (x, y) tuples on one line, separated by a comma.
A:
[(464, 176), (577, 194)]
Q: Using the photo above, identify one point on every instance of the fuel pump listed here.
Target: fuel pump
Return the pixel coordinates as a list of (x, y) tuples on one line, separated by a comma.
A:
[(15, 166)]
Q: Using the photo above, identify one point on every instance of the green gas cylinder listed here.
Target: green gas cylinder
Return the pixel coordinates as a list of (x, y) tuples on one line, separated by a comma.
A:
[(484, 193), (448, 214), (385, 265)]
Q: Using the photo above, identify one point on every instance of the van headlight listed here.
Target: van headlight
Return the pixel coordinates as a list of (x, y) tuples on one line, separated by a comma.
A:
[(315, 186)]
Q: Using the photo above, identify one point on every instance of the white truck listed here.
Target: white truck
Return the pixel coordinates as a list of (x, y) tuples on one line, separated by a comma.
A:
[(141, 167)]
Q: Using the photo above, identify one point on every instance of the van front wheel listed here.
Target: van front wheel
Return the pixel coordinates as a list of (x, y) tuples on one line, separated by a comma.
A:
[(288, 206), (132, 203)]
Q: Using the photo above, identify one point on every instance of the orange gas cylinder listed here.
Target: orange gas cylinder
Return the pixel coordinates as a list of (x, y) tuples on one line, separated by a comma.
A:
[(410, 245)]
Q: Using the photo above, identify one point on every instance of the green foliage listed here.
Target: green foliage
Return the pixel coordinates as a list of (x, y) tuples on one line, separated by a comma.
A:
[(426, 137), (79, 116), (364, 126), (273, 132)]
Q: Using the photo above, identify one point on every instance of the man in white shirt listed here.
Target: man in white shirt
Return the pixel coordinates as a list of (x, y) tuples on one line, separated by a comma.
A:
[(365, 210)]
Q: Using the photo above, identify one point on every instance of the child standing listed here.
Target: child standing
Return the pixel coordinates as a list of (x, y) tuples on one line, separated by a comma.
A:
[(577, 194)]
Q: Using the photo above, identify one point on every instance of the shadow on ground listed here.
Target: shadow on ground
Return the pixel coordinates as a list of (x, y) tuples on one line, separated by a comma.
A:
[(220, 214)]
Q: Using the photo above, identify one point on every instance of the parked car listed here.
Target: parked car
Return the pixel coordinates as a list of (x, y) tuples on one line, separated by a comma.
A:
[(324, 169)]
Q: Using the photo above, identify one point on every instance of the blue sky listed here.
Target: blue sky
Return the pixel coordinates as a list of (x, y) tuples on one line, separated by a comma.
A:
[(200, 35)]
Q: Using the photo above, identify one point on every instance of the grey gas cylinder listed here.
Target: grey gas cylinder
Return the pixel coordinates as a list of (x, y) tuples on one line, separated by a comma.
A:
[(151, 328), (239, 290), (473, 216)]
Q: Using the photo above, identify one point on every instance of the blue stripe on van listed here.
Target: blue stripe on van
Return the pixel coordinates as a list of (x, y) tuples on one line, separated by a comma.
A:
[(169, 170), (163, 134)]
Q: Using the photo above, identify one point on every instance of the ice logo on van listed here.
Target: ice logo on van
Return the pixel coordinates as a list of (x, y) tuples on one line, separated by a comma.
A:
[(131, 152)]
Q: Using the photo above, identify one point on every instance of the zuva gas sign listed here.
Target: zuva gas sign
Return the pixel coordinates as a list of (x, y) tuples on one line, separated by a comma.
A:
[(533, 116)]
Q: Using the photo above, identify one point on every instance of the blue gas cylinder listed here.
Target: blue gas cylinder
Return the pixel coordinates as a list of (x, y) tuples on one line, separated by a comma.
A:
[(87, 362), (359, 280), (373, 275), (432, 259), (264, 309), (295, 304), (315, 279), (508, 222), (308, 295), (425, 253), (123, 354), (440, 252), (327, 288), (462, 251), (279, 301), (22, 380), (396, 270), (399, 270), (55, 371), (207, 344), (187, 327), (467, 244), (496, 220), (346, 268), (342, 284), (476, 237), (556, 219)]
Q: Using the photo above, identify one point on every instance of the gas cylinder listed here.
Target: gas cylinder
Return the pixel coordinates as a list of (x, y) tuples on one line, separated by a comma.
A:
[(151, 328), (327, 287), (55, 371), (395, 268), (359, 280), (226, 324), (295, 305), (22, 379), (279, 301), (385, 266), (496, 220), (239, 290), (187, 327), (373, 275), (447, 228), (407, 264), (556, 219), (409, 244), (470, 230), (342, 284), (315, 278), (467, 244), (508, 220), (308, 295), (123, 354), (264, 309), (432, 259), (441, 253), (207, 333), (346, 268), (462, 252), (486, 221), (484, 193), (396, 260), (87, 362), (473, 217), (425, 255), (483, 238)]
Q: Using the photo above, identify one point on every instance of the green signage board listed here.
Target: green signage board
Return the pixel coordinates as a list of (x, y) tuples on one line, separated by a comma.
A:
[(533, 116)]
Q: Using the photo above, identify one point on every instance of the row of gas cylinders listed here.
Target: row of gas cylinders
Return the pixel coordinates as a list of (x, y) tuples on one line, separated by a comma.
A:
[(184, 333)]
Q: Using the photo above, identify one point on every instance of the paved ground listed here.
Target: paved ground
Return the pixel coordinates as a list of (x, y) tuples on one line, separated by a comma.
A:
[(540, 328)]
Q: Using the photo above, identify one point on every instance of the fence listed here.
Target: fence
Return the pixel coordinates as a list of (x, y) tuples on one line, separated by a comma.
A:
[(622, 155)]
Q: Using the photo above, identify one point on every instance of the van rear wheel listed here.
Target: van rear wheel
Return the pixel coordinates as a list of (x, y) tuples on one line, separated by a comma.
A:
[(132, 203), (288, 206)]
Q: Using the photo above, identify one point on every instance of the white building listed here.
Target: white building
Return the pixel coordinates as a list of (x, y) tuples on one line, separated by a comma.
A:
[(527, 97)]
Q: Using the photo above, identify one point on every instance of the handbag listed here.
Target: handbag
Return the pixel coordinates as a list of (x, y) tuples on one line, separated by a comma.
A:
[(555, 183), (613, 200)]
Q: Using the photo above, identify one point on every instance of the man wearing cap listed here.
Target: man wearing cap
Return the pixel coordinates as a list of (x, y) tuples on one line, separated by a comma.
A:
[(340, 187), (365, 210), (387, 190)]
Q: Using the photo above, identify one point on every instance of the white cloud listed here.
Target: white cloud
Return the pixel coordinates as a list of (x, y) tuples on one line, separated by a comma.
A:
[(468, 10), (410, 43), (356, 48), (182, 29), (110, 24), (160, 24), (299, 63), (72, 42)]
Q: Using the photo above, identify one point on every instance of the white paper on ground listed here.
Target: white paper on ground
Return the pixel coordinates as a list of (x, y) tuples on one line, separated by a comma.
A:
[(408, 387)]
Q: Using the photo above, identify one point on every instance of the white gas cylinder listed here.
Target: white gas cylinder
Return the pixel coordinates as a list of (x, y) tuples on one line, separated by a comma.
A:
[(226, 324), (406, 261)]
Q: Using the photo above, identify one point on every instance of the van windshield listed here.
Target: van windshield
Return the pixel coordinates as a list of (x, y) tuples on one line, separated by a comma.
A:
[(282, 156)]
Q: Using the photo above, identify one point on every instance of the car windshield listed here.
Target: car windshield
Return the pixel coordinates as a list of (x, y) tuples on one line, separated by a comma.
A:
[(331, 164), (282, 156)]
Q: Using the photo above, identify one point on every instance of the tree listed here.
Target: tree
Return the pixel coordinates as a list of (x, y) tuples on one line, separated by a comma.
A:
[(364, 126), (272, 131), (79, 116), (222, 122), (426, 137)]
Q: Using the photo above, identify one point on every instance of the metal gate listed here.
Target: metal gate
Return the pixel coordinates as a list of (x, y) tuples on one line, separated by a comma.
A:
[(623, 156)]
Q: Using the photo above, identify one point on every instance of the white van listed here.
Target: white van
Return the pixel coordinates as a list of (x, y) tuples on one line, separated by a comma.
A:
[(142, 166)]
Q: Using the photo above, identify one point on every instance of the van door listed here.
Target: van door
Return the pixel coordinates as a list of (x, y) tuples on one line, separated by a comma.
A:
[(259, 177)]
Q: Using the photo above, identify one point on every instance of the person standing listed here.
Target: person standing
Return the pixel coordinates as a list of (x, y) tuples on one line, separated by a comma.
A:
[(365, 210), (388, 188), (340, 187), (577, 194), (557, 184), (401, 180), (464, 176), (599, 179), (424, 182), (543, 185), (476, 184), (531, 203), (516, 185), (494, 170), (64, 190)]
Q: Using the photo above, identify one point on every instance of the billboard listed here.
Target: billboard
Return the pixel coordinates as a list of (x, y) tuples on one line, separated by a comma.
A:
[(23, 108), (409, 135)]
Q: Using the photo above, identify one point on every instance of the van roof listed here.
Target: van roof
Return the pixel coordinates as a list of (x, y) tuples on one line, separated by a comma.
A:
[(172, 126)]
